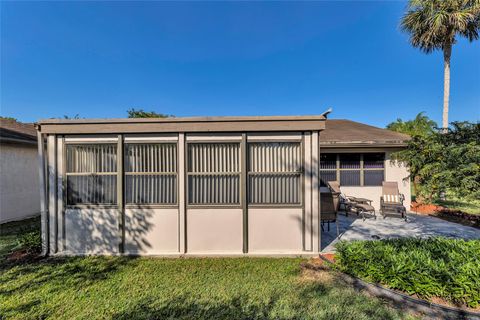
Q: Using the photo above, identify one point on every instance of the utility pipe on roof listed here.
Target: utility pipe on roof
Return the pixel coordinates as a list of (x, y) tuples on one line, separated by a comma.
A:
[(325, 113)]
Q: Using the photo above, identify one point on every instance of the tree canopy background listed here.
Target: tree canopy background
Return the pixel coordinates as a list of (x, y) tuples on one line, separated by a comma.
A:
[(441, 161)]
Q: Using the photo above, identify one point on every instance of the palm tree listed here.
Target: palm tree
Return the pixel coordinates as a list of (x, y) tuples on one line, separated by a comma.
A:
[(434, 24), (422, 125)]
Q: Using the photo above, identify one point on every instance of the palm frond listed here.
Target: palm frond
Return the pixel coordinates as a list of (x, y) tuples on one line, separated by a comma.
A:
[(433, 24)]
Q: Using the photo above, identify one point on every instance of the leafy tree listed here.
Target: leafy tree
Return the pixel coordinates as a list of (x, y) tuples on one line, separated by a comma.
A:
[(447, 161), (420, 126), (140, 113), (435, 24), (67, 117)]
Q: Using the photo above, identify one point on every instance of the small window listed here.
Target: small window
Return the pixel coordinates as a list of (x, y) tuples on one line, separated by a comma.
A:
[(327, 175), (274, 173), (350, 169), (328, 161), (328, 168), (151, 173), (373, 168), (213, 173), (91, 173)]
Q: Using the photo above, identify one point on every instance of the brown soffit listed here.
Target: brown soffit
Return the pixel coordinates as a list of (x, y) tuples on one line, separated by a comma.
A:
[(195, 124)]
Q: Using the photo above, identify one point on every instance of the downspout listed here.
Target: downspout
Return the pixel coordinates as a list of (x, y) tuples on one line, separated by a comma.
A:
[(43, 190)]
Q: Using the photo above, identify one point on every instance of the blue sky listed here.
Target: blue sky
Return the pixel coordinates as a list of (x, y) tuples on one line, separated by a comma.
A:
[(98, 59)]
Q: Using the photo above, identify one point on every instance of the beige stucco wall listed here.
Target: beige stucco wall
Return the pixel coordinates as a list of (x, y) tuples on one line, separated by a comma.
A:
[(213, 230), (275, 230), (19, 186), (397, 171), (92, 231), (151, 230)]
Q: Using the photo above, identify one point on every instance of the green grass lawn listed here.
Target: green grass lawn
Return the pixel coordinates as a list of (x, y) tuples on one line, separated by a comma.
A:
[(154, 288), (10, 233), (471, 206)]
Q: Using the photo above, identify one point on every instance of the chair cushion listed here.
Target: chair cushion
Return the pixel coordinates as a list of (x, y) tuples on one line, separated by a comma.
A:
[(391, 198), (364, 207)]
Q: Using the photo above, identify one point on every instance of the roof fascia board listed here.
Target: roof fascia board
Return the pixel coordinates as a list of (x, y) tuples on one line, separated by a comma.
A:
[(19, 141), (253, 124)]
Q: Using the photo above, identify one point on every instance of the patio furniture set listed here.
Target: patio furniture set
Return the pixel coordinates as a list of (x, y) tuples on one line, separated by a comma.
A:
[(391, 203)]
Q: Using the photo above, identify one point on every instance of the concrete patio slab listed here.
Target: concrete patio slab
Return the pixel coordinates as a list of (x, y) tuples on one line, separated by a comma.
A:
[(354, 228)]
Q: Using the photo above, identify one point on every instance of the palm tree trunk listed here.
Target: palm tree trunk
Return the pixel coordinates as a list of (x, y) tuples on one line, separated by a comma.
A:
[(447, 52)]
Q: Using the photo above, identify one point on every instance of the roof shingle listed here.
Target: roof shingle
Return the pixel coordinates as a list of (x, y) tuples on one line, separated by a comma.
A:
[(341, 132), (14, 131)]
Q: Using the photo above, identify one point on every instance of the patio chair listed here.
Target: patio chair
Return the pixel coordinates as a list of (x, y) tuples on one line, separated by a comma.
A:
[(329, 204), (362, 206), (353, 204), (391, 200)]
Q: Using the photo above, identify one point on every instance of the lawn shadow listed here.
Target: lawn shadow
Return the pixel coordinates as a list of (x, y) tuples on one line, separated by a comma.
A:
[(56, 274)]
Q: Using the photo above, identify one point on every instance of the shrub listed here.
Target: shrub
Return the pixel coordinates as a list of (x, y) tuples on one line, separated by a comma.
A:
[(31, 242), (434, 267)]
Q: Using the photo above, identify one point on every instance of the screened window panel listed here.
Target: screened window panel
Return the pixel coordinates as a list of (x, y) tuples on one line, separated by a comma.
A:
[(350, 161), (327, 175), (275, 171), (214, 189), (275, 157), (151, 189), (92, 189), (91, 174), (328, 161), (151, 173), (350, 177), (282, 188), (91, 158), (214, 157), (158, 157), (373, 160), (213, 173), (373, 177)]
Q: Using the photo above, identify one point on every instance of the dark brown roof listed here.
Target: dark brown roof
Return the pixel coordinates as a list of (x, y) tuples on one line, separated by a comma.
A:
[(14, 131), (343, 133)]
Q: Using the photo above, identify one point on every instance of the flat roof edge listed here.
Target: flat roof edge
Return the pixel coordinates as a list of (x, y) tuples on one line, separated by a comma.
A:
[(180, 125), (183, 119)]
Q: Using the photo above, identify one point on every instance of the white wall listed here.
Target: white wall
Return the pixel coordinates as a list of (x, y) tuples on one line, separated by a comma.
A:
[(214, 230), (19, 186), (396, 171), (151, 230), (278, 230), (92, 231)]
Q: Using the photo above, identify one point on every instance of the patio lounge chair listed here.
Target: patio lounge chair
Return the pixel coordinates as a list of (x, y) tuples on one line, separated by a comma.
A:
[(391, 200), (329, 204), (353, 204)]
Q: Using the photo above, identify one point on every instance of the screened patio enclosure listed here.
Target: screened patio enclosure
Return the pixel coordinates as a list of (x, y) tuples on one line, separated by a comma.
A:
[(221, 185)]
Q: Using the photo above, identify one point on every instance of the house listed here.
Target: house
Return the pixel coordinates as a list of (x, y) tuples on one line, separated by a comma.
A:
[(203, 186), (19, 196)]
